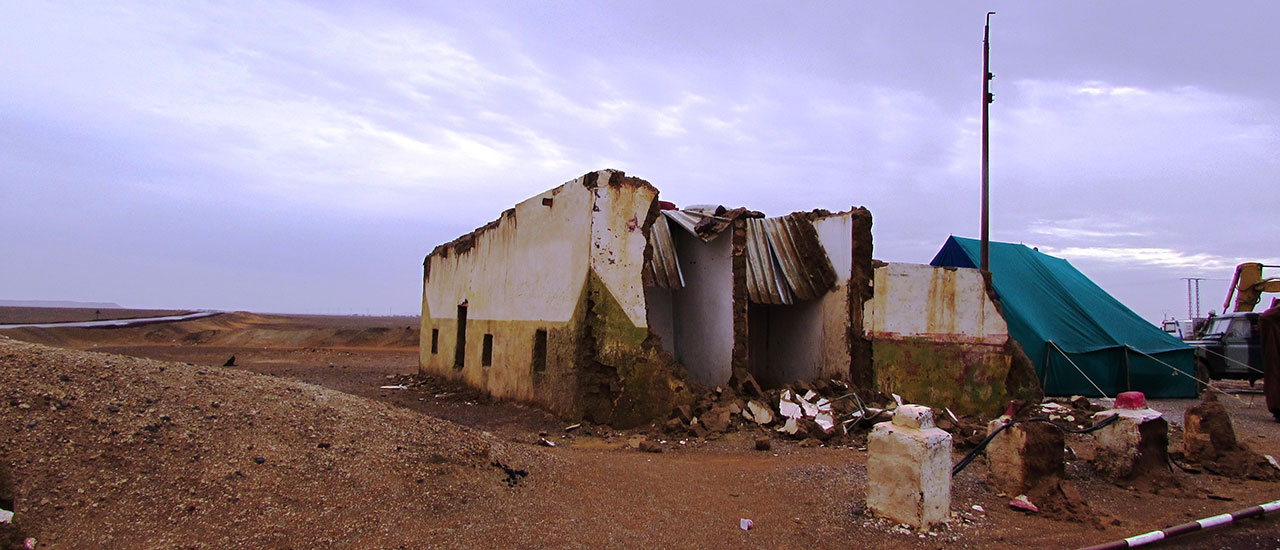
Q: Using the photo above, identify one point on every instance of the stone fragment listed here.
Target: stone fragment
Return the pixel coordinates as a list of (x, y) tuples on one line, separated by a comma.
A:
[(1023, 455), (909, 470), (1136, 444), (717, 420), (650, 447)]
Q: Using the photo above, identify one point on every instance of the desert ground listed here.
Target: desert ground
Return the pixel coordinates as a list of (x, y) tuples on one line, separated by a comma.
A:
[(139, 437)]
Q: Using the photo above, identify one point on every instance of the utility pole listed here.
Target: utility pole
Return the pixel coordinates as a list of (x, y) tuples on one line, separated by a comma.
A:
[(1196, 285), (987, 98)]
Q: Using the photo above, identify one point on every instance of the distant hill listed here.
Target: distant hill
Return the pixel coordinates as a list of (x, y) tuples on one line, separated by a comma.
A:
[(58, 303)]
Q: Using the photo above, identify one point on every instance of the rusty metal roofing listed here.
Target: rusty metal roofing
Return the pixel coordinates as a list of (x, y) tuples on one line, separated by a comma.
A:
[(699, 221), (785, 261), (663, 268)]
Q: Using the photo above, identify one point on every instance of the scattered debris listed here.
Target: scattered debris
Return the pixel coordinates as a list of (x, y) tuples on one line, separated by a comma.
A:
[(395, 387), (746, 524), (5, 516), (546, 442), (1020, 502), (979, 509), (513, 475), (759, 413), (572, 427)]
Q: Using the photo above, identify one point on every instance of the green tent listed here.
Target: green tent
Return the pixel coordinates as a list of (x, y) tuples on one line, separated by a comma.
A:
[(1079, 337)]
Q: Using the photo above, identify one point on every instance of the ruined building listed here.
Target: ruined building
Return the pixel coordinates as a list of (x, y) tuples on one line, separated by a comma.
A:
[(596, 300)]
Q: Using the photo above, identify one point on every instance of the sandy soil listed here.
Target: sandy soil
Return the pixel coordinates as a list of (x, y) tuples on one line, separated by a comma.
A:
[(12, 314), (112, 451)]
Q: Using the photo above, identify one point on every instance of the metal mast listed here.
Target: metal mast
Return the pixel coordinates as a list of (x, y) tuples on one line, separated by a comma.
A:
[(987, 98)]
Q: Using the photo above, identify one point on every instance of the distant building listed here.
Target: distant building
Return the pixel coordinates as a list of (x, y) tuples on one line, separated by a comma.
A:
[(597, 300)]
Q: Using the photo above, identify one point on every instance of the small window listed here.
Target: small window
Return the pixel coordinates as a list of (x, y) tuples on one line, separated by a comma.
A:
[(540, 350), (435, 341), (547, 201), (486, 355)]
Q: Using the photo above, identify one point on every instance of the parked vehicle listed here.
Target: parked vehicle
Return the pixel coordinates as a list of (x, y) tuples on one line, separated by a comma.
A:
[(1230, 347)]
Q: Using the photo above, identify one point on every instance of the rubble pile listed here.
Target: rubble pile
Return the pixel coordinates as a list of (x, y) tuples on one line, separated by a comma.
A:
[(1210, 441)]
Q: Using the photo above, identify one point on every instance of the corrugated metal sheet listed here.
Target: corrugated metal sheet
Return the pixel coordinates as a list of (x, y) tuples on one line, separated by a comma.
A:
[(785, 261), (663, 268), (691, 219), (765, 280)]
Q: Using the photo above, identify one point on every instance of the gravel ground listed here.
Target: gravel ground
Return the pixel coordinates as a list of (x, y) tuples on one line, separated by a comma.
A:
[(109, 451)]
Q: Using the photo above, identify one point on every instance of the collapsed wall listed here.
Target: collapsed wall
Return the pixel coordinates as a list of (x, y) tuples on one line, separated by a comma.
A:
[(939, 338), (546, 305)]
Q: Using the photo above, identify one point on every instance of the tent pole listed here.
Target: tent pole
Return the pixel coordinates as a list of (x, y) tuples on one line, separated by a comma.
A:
[(1128, 384)]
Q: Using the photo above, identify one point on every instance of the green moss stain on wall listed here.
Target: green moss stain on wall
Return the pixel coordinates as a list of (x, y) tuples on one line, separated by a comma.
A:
[(967, 378), (626, 379)]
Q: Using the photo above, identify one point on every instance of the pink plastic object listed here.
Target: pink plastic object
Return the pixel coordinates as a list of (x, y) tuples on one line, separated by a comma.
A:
[(746, 524), (1131, 400)]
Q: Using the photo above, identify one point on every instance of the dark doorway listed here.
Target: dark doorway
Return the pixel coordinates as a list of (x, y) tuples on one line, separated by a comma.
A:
[(460, 352)]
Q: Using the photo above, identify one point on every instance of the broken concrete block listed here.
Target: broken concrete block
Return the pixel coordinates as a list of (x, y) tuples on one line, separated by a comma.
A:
[(909, 469), (914, 416), (760, 413), (1024, 455), (789, 427), (1136, 444), (825, 421), (787, 407)]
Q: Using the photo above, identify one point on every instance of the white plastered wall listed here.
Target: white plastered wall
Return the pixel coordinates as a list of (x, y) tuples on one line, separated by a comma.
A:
[(945, 304), (702, 311)]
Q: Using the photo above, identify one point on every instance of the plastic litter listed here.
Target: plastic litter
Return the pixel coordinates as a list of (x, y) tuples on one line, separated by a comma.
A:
[(5, 516), (746, 524)]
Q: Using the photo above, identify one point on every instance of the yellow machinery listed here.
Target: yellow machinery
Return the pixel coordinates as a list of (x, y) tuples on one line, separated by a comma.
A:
[(1248, 286)]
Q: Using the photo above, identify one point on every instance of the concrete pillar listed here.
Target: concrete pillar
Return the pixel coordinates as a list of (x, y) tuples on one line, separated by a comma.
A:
[(909, 469), (1137, 443), (1023, 454)]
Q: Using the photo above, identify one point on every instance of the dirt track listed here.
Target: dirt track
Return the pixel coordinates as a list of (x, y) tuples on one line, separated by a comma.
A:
[(395, 473)]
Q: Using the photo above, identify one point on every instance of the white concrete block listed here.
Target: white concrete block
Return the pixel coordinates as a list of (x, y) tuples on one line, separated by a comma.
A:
[(1135, 444), (914, 416), (909, 471)]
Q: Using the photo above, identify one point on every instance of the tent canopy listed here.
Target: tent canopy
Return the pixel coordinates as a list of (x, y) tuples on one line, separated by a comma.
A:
[(1081, 340)]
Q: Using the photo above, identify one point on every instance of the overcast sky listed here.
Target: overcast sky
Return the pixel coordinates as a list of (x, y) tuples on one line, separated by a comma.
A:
[(293, 157)]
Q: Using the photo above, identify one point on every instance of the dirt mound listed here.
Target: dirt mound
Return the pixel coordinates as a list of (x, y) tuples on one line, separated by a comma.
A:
[(1210, 440), (1059, 500), (112, 451)]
